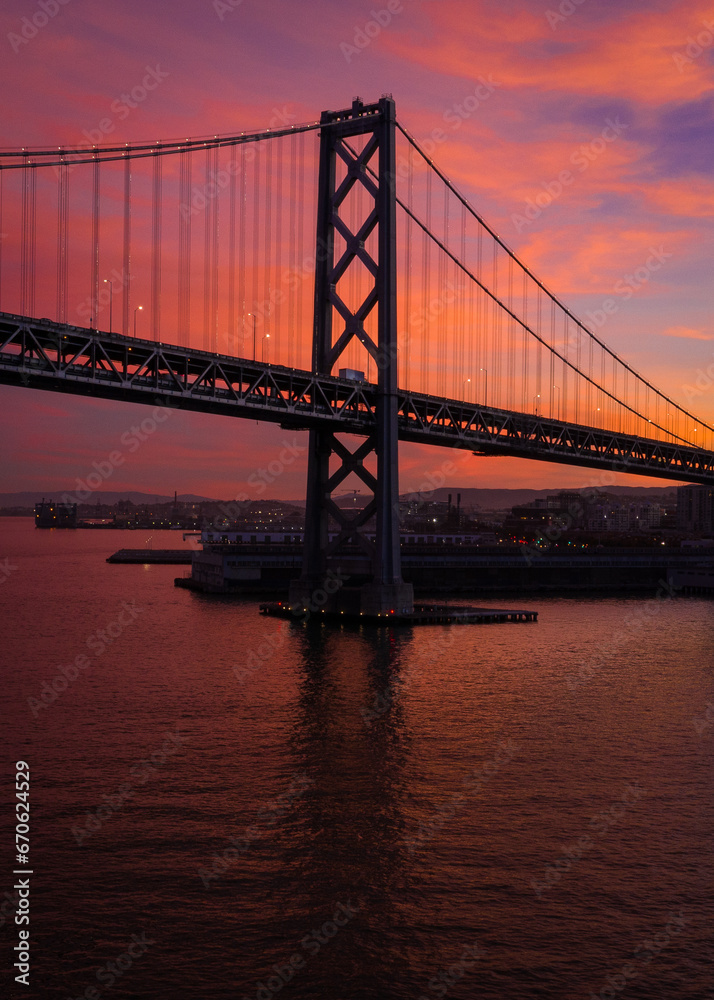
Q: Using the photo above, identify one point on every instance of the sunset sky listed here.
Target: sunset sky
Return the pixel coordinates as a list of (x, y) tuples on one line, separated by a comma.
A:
[(619, 94)]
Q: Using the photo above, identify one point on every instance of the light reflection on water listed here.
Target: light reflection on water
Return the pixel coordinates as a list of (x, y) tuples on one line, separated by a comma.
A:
[(434, 789)]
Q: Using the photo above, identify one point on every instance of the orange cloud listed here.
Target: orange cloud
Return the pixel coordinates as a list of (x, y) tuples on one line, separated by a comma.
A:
[(632, 58), (592, 260), (686, 333), (690, 197)]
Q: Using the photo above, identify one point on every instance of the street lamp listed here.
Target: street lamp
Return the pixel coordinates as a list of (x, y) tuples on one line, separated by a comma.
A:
[(110, 282), (262, 347), (138, 309), (485, 391), (466, 381), (535, 403)]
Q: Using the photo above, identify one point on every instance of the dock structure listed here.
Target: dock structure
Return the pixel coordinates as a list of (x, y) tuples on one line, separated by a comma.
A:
[(423, 614), (694, 581), (166, 557)]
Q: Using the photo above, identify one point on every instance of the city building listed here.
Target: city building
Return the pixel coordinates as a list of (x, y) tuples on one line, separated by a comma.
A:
[(695, 509)]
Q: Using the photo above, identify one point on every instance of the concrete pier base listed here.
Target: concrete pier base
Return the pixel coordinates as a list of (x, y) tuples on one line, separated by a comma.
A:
[(383, 598), (333, 597)]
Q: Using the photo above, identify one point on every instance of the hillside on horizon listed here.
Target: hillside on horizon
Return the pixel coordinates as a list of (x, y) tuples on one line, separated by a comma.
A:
[(485, 499), (494, 499), (29, 498)]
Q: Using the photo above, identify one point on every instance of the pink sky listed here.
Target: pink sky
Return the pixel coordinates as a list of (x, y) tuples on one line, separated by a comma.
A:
[(554, 82)]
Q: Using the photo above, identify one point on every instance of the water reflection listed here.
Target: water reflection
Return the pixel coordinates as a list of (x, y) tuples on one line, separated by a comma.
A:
[(350, 739)]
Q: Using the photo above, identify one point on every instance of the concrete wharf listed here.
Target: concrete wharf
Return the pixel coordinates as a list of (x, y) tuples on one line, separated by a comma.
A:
[(423, 614)]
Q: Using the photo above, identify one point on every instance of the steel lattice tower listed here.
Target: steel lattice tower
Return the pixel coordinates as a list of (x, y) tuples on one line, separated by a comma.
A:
[(336, 326)]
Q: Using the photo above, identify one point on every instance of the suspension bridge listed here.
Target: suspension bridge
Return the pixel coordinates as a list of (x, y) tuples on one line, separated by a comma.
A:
[(325, 276)]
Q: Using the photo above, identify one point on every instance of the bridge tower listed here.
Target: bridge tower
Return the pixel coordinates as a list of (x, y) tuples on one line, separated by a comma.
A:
[(336, 325)]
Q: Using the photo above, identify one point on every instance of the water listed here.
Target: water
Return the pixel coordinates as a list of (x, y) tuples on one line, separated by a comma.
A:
[(407, 795)]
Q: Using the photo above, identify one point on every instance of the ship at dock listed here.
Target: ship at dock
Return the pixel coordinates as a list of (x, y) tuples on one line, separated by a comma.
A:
[(49, 514)]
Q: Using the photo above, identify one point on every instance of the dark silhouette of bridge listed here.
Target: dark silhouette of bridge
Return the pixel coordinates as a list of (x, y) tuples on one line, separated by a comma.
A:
[(422, 324)]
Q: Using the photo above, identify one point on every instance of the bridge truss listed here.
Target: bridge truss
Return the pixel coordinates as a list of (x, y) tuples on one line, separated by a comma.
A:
[(42, 354)]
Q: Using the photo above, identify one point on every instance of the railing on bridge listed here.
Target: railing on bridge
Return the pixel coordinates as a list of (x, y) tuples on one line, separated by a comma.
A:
[(43, 354)]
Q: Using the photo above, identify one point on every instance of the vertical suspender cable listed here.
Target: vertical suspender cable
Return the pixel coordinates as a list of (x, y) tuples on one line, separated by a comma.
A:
[(156, 251), (603, 376), (242, 350), (525, 373), (424, 324), (407, 381), (231, 346), (551, 387), (294, 252), (441, 325), (537, 401), (256, 245), (207, 251), (278, 290), (495, 331), (312, 196), (33, 237), (28, 238), (578, 347), (58, 259), (473, 359), (404, 333), (404, 354), (299, 335), (186, 211), (62, 240), (590, 401), (1, 230), (461, 286), (215, 245), (65, 261), (268, 244), (24, 237), (189, 252), (511, 377), (95, 239), (427, 286), (480, 319), (126, 255), (566, 371)]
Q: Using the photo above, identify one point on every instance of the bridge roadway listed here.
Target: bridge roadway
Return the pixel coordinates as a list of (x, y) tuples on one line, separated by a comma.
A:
[(42, 354)]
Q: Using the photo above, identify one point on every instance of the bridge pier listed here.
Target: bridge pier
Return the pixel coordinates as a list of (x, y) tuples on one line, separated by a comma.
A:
[(385, 591)]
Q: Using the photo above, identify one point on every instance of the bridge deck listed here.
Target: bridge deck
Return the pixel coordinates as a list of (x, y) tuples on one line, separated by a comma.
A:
[(42, 354)]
